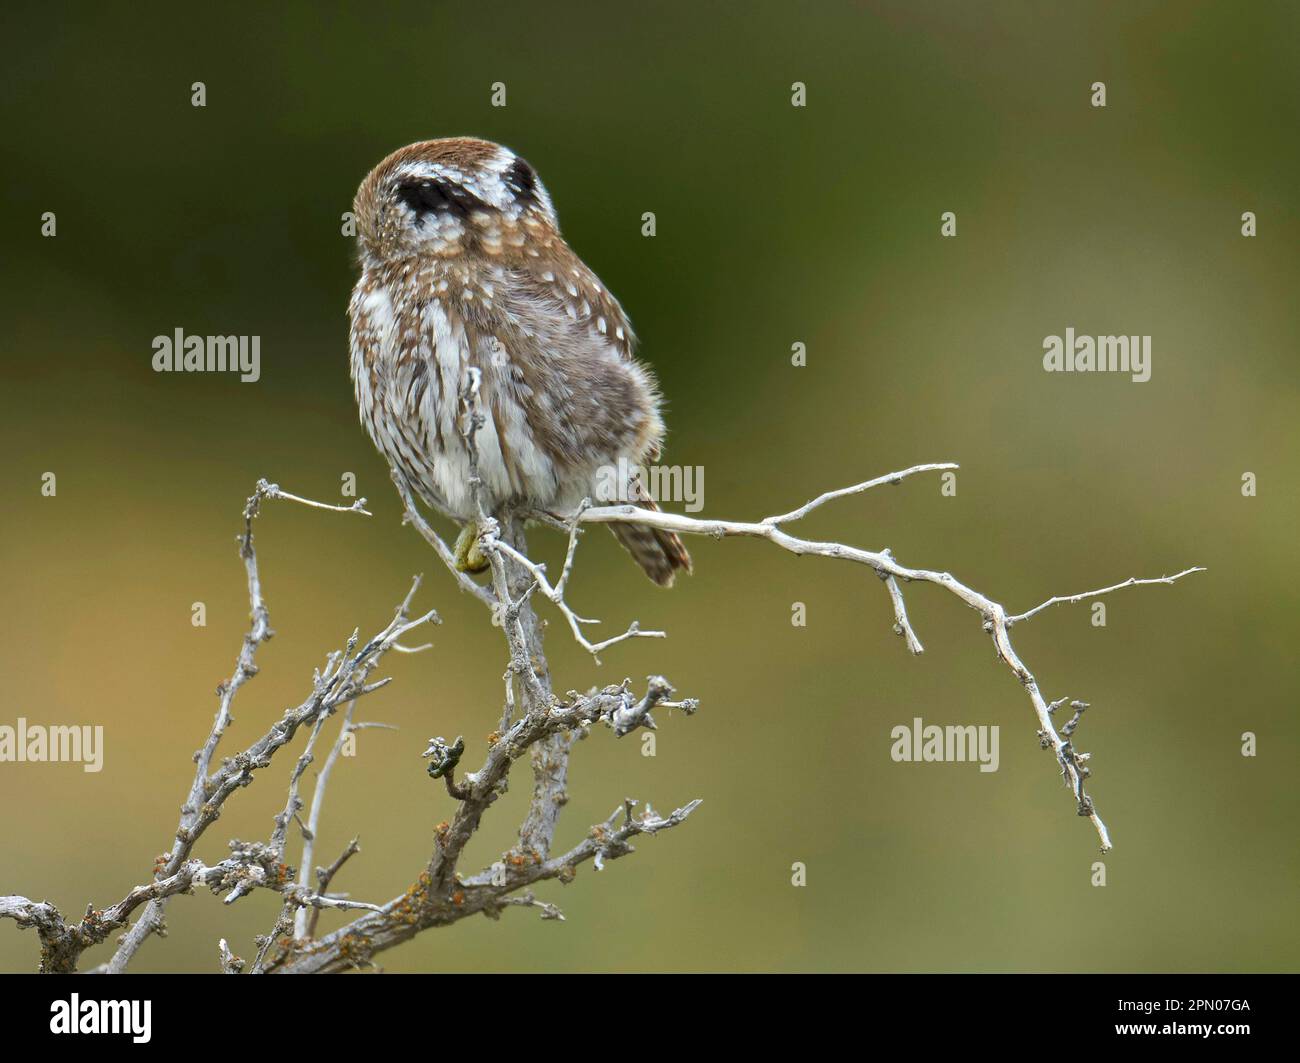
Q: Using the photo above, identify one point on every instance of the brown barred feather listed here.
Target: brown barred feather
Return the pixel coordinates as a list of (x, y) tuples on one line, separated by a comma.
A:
[(659, 553)]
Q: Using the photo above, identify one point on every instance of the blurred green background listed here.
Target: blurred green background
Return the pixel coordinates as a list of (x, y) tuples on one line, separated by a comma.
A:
[(775, 225)]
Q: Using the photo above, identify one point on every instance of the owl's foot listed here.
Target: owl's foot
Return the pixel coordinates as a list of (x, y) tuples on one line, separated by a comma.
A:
[(469, 558)]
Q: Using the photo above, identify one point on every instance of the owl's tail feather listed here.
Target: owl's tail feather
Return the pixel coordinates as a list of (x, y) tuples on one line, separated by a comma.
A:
[(659, 553)]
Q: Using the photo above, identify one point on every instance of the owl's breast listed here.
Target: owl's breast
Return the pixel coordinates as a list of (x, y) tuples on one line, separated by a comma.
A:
[(411, 355)]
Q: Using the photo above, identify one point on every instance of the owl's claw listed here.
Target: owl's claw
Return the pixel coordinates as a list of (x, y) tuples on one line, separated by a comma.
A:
[(469, 558)]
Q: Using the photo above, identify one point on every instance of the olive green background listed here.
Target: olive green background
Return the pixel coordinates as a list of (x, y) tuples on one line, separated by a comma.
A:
[(775, 225)]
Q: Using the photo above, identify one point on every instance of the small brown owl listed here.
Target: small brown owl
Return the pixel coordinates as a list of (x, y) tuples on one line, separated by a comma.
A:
[(463, 265)]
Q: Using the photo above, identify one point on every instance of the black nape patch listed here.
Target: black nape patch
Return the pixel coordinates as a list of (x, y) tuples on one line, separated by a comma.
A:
[(429, 196), (521, 179)]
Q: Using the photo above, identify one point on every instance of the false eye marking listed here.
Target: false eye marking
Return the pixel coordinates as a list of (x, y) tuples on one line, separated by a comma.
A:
[(521, 179), (430, 196)]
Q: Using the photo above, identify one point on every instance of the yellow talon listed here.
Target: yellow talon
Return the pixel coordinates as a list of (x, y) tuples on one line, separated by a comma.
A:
[(469, 558)]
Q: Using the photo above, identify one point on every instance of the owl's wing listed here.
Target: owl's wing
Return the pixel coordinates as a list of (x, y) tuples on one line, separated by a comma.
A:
[(563, 280)]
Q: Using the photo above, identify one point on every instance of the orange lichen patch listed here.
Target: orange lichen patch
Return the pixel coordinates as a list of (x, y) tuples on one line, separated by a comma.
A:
[(354, 950), (414, 902)]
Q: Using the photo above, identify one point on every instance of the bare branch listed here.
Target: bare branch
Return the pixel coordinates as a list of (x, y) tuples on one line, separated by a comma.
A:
[(534, 722), (324, 876), (996, 620), (405, 916), (902, 626), (411, 515), (209, 792), (313, 816), (273, 491), (230, 963), (528, 900), (631, 716), (555, 594), (1131, 582), (866, 485)]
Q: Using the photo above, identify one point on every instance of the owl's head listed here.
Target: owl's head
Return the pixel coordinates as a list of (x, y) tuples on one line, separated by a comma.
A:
[(446, 197)]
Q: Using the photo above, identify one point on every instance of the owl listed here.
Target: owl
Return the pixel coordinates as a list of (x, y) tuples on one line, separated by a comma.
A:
[(463, 267)]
